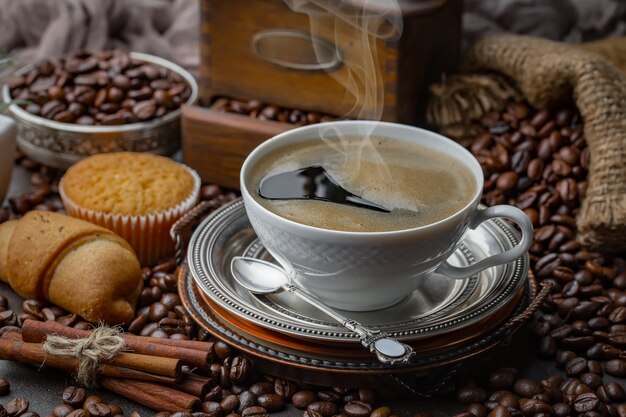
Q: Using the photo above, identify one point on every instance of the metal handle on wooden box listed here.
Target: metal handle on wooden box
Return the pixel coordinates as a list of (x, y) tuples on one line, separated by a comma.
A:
[(296, 50)]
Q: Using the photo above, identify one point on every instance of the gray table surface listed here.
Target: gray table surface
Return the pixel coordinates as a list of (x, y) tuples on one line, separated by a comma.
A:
[(44, 387)]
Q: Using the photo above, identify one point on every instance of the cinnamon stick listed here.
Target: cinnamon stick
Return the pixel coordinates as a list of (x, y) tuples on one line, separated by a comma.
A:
[(37, 332), (187, 344), (195, 385), (13, 349), (154, 396)]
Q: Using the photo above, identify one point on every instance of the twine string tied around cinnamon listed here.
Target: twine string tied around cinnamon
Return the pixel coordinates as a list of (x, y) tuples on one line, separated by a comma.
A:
[(103, 344)]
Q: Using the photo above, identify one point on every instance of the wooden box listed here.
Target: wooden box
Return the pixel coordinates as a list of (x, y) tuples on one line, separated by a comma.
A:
[(264, 50), (237, 62)]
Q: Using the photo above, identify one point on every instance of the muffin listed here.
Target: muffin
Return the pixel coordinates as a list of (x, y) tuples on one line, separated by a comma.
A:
[(138, 196)]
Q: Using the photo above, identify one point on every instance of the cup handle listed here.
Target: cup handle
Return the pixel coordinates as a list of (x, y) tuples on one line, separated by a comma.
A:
[(509, 212)]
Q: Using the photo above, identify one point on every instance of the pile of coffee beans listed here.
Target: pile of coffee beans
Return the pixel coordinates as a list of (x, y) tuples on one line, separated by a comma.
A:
[(538, 161), (75, 403), (510, 395), (103, 88), (78, 403), (262, 111)]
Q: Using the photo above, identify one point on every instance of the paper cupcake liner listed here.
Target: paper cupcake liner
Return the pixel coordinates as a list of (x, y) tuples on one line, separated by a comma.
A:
[(149, 235)]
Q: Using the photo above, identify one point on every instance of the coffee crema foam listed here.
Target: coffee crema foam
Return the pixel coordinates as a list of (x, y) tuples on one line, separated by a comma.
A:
[(419, 184)]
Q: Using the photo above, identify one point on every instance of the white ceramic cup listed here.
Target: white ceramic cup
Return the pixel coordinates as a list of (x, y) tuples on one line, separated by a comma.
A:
[(7, 152), (362, 271)]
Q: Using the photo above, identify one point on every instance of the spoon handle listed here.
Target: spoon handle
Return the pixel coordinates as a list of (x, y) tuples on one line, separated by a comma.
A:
[(387, 349)]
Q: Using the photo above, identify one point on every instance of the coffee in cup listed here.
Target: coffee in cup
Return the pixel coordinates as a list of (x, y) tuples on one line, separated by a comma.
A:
[(419, 185)]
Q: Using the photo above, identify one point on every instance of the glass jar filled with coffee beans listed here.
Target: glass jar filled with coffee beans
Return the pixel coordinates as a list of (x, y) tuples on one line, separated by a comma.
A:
[(103, 88)]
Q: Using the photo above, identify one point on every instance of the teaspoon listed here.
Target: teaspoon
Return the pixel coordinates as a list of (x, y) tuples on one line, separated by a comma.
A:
[(261, 277)]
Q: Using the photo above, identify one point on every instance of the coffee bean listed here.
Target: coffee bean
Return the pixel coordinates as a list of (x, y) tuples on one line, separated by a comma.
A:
[(246, 399), (586, 402), (170, 300), (16, 407), (561, 332), (526, 387), (229, 403), (78, 413), (170, 326), (240, 370), (7, 318), (271, 402), (145, 109), (224, 376), (505, 398), (138, 324), (98, 410), (471, 394), (222, 350), (92, 399), (302, 399), (591, 379), (74, 396), (533, 407), (158, 311), (284, 388), (212, 408), (561, 409), (507, 180), (357, 409), (614, 391), (615, 367), (62, 410), (578, 343), (324, 408), (255, 411), (618, 315)]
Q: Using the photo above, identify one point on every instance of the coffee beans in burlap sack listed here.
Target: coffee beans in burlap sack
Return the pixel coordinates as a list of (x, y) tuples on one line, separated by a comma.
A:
[(550, 73)]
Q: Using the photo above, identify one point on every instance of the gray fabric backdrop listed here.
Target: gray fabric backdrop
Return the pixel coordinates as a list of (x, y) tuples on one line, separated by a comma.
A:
[(33, 29)]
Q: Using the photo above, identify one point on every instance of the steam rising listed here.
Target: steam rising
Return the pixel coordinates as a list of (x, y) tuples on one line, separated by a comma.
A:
[(357, 26)]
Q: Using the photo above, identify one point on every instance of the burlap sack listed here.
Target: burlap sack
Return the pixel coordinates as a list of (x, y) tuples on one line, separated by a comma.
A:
[(614, 49), (549, 73)]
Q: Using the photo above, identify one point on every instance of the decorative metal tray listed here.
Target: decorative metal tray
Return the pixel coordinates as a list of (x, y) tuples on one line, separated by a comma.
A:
[(318, 362), (438, 306)]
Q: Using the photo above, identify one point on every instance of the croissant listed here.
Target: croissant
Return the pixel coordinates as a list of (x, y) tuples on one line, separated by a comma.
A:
[(81, 267)]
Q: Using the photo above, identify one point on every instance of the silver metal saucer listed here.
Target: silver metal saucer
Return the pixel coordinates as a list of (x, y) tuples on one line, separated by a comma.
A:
[(437, 306)]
